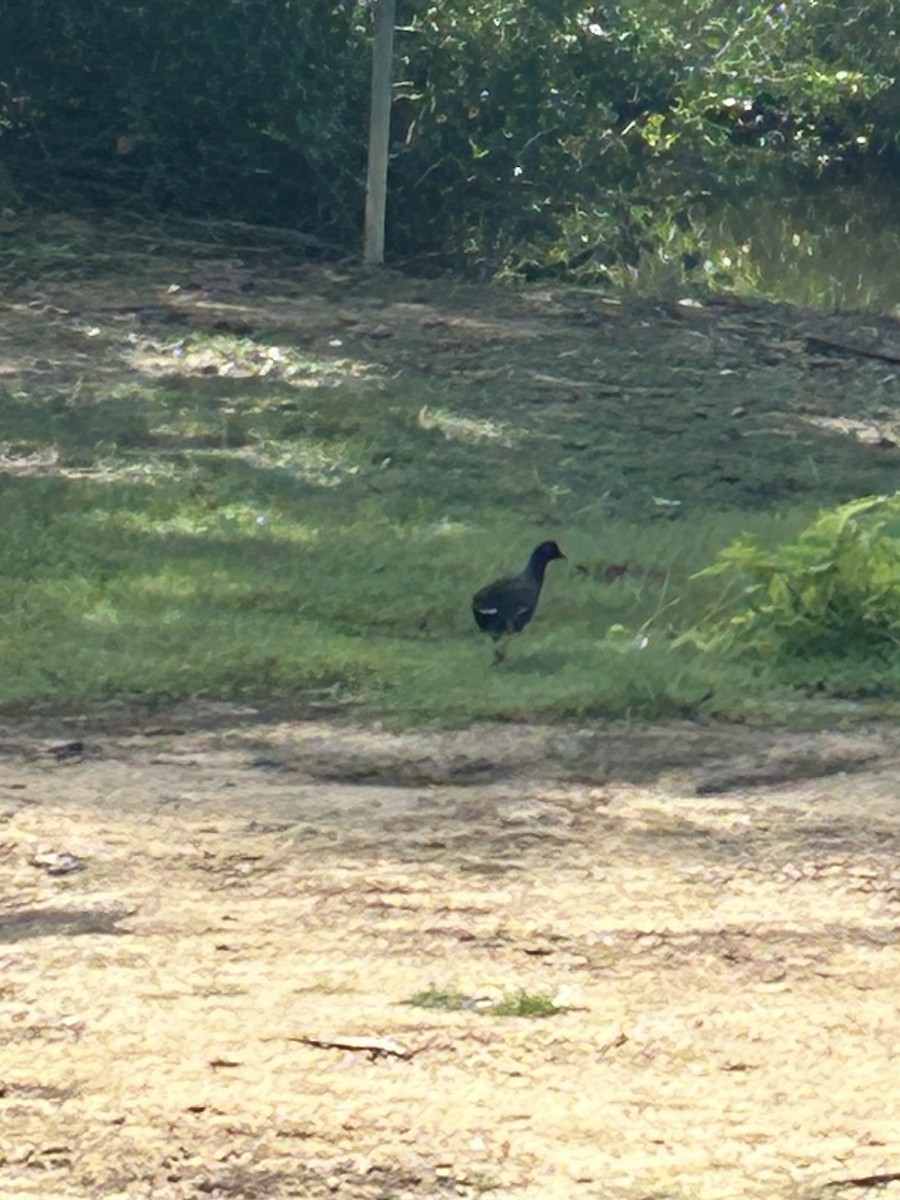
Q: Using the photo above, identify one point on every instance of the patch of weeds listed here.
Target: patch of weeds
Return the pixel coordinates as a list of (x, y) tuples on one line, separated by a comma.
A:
[(435, 998), (527, 1004), (514, 1004)]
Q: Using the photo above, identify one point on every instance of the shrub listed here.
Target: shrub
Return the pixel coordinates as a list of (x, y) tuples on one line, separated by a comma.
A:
[(835, 591)]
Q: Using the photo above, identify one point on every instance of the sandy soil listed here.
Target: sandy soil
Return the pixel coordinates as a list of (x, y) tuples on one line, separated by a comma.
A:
[(715, 911)]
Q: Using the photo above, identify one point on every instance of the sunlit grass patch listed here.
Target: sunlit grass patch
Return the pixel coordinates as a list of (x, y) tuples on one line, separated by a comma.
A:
[(234, 356), (27, 459), (465, 429), (316, 462)]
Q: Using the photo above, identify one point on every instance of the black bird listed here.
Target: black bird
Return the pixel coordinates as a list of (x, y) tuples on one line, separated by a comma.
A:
[(507, 605)]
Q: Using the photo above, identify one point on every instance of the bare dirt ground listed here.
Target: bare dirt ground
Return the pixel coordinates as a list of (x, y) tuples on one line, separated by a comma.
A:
[(716, 912)]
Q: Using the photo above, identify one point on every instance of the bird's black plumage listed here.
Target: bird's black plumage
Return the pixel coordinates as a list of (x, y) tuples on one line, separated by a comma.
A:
[(507, 605)]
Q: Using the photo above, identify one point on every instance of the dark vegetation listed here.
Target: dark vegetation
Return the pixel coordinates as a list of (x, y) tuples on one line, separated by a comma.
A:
[(233, 465), (549, 139)]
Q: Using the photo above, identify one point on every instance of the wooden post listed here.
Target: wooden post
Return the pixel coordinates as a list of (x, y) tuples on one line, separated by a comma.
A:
[(379, 129)]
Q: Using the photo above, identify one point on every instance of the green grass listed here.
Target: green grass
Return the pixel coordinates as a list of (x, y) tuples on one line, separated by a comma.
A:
[(520, 1003), (215, 585), (233, 515), (440, 999)]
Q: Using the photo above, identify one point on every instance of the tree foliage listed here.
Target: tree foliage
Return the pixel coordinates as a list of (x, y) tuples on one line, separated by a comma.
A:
[(548, 135), (559, 132), (243, 108)]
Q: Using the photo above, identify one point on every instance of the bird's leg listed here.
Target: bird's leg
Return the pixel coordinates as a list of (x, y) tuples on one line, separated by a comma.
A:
[(499, 654)]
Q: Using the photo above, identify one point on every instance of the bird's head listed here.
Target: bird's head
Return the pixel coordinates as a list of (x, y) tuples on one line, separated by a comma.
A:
[(547, 552)]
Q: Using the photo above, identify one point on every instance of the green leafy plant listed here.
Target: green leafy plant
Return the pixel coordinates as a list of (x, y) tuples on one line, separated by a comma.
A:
[(833, 591)]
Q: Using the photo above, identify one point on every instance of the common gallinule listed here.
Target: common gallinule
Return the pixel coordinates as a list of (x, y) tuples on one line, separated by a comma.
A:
[(507, 605)]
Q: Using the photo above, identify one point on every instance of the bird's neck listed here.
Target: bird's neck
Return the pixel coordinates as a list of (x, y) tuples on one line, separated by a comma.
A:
[(537, 565)]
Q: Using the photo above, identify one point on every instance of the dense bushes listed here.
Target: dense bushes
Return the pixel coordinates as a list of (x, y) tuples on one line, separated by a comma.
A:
[(546, 135), (243, 108), (554, 133)]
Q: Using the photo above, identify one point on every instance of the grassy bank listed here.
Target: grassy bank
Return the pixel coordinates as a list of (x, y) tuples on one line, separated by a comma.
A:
[(292, 502)]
